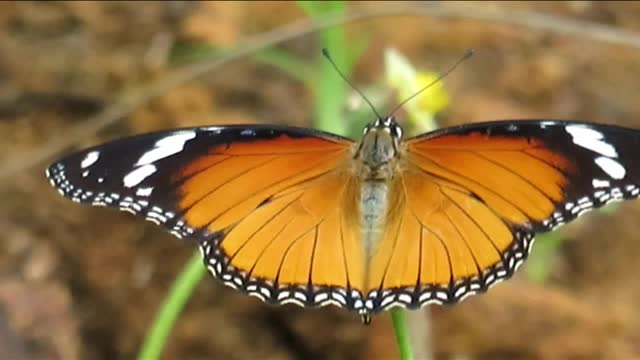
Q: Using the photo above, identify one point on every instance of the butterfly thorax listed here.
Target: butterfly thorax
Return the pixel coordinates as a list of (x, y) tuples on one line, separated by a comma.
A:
[(377, 154)]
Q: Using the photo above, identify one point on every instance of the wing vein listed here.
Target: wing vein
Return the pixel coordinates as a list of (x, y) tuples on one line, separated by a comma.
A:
[(313, 257), (287, 252), (516, 174), (446, 249), (271, 185), (344, 254), (444, 245), (476, 223), (182, 180), (478, 267), (543, 160), (419, 261), (265, 249), (245, 172), (262, 227), (393, 249), (468, 178)]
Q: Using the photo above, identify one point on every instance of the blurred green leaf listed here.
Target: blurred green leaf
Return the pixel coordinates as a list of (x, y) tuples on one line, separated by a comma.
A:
[(319, 8), (539, 263), (328, 88), (355, 50)]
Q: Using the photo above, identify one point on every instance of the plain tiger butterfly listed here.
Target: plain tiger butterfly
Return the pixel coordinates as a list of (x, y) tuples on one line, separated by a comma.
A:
[(293, 215)]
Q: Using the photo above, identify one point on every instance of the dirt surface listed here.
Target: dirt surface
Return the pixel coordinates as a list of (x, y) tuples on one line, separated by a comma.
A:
[(84, 283)]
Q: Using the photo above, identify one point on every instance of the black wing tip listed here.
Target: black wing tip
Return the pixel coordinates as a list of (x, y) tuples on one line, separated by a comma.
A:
[(513, 125)]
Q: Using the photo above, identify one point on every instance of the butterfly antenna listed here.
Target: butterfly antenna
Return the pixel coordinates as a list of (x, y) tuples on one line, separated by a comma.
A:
[(325, 52), (467, 55)]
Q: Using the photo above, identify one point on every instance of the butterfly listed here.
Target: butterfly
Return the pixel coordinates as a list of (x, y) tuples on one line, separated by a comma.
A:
[(294, 215)]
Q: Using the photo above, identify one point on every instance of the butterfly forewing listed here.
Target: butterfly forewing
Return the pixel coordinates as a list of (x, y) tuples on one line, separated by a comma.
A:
[(547, 171)]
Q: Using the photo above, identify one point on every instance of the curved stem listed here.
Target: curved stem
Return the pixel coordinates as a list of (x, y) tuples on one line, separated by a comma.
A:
[(401, 330), (178, 296)]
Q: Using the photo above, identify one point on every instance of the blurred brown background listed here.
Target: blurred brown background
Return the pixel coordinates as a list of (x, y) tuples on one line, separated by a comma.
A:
[(84, 283)]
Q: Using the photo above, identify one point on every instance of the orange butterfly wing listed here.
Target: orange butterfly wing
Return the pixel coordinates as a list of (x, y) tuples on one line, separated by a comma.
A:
[(469, 200), (272, 207)]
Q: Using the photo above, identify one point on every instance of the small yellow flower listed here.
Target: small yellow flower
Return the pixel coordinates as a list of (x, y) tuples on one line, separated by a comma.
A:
[(406, 80), (435, 98)]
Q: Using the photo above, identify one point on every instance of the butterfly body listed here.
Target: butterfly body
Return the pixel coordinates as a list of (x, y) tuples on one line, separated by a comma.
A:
[(292, 215)]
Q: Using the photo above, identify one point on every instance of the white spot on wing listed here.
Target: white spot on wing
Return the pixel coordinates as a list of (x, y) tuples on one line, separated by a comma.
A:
[(90, 159), (165, 147), (321, 297), (597, 183), (406, 298), (215, 129), (591, 139), (387, 300), (144, 191), (136, 176), (611, 167)]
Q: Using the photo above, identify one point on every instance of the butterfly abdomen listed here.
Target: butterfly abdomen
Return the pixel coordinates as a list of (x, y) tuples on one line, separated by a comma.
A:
[(373, 207)]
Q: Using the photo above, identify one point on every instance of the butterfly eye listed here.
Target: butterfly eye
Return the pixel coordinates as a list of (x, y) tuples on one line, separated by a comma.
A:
[(396, 131)]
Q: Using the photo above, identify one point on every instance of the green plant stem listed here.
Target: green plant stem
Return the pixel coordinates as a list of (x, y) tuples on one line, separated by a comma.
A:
[(401, 330), (178, 296), (329, 90)]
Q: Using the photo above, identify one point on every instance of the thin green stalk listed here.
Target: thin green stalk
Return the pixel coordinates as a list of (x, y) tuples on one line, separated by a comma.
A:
[(178, 296), (329, 90), (401, 330)]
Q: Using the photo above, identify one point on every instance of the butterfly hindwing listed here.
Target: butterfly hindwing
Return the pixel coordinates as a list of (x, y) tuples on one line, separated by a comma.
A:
[(442, 244), (300, 247)]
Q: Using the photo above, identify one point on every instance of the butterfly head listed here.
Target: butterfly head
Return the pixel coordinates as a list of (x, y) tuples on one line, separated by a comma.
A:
[(379, 144), (387, 124)]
